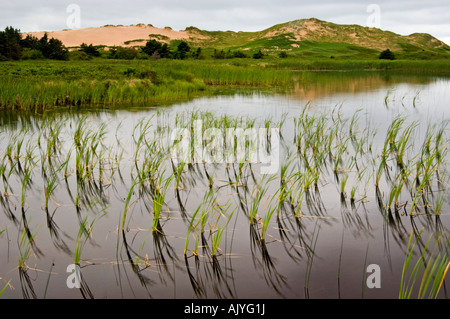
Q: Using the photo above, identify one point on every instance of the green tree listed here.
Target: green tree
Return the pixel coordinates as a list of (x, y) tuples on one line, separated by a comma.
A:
[(57, 50), (123, 53), (151, 47), (387, 55), (10, 47), (53, 48), (239, 54), (165, 51), (197, 54), (258, 55), (219, 54), (43, 45), (90, 50), (157, 49), (30, 42), (182, 50)]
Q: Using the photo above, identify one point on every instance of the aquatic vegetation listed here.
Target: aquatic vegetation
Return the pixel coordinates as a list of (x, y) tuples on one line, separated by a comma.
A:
[(430, 270), (85, 231), (4, 288), (161, 189), (161, 208)]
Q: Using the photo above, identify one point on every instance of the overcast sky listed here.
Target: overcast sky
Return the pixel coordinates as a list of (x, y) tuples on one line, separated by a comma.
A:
[(403, 17)]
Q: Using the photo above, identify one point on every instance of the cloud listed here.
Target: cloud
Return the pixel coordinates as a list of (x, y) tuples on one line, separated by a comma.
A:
[(401, 16)]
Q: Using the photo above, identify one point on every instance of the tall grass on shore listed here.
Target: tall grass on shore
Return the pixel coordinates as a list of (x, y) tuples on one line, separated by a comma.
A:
[(47, 85)]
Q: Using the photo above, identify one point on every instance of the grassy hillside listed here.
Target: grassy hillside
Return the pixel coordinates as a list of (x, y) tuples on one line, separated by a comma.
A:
[(316, 38)]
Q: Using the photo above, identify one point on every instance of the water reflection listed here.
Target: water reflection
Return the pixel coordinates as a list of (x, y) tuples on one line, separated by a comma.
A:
[(319, 85), (331, 184)]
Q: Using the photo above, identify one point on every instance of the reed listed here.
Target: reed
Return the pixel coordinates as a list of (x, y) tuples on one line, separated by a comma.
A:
[(258, 195), (218, 233), (4, 288), (162, 187), (25, 184), (430, 271), (25, 249), (51, 186), (266, 221), (86, 230), (128, 202), (125, 82)]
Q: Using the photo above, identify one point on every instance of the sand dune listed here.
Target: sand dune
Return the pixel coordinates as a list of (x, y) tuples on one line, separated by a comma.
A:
[(115, 35)]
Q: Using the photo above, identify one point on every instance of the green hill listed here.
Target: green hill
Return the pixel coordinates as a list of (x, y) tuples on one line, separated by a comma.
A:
[(314, 37)]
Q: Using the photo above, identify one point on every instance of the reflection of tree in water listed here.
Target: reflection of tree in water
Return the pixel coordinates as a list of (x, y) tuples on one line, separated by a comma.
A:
[(314, 85)]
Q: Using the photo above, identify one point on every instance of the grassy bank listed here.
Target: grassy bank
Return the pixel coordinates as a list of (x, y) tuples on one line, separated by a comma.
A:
[(39, 85)]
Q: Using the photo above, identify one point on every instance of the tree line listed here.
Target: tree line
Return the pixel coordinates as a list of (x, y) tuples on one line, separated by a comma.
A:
[(14, 47)]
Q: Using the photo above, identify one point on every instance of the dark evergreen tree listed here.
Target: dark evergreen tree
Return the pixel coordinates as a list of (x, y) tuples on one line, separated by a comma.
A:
[(387, 55), (57, 50), (182, 50), (151, 47), (43, 45), (30, 42), (89, 50), (197, 53), (165, 51), (258, 55), (219, 54), (10, 47)]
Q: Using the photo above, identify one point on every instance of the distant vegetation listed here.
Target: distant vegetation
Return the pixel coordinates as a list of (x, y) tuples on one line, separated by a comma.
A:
[(387, 55), (13, 47), (179, 69), (307, 39)]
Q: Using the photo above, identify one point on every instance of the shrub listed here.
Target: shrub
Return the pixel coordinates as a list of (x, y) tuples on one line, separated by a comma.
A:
[(31, 54), (79, 56), (239, 54), (182, 49), (258, 55), (197, 54), (156, 49), (89, 50), (123, 53), (218, 54), (387, 55)]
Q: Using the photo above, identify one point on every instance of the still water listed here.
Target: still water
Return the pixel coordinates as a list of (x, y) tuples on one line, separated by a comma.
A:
[(322, 253)]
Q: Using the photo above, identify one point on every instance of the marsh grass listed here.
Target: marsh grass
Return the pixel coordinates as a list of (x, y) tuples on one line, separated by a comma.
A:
[(163, 184), (26, 243), (4, 288), (85, 230), (109, 83), (329, 154), (427, 274)]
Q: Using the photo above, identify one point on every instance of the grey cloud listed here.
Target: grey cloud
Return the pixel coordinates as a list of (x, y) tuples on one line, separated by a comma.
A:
[(397, 16)]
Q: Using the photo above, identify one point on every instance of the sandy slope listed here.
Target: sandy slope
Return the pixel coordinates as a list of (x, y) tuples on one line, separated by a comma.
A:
[(114, 35)]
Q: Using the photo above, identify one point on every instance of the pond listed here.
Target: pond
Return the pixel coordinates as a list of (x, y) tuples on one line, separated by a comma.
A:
[(101, 204)]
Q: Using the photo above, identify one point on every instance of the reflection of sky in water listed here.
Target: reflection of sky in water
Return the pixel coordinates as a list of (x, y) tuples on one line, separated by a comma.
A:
[(430, 101), (364, 228), (359, 230)]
